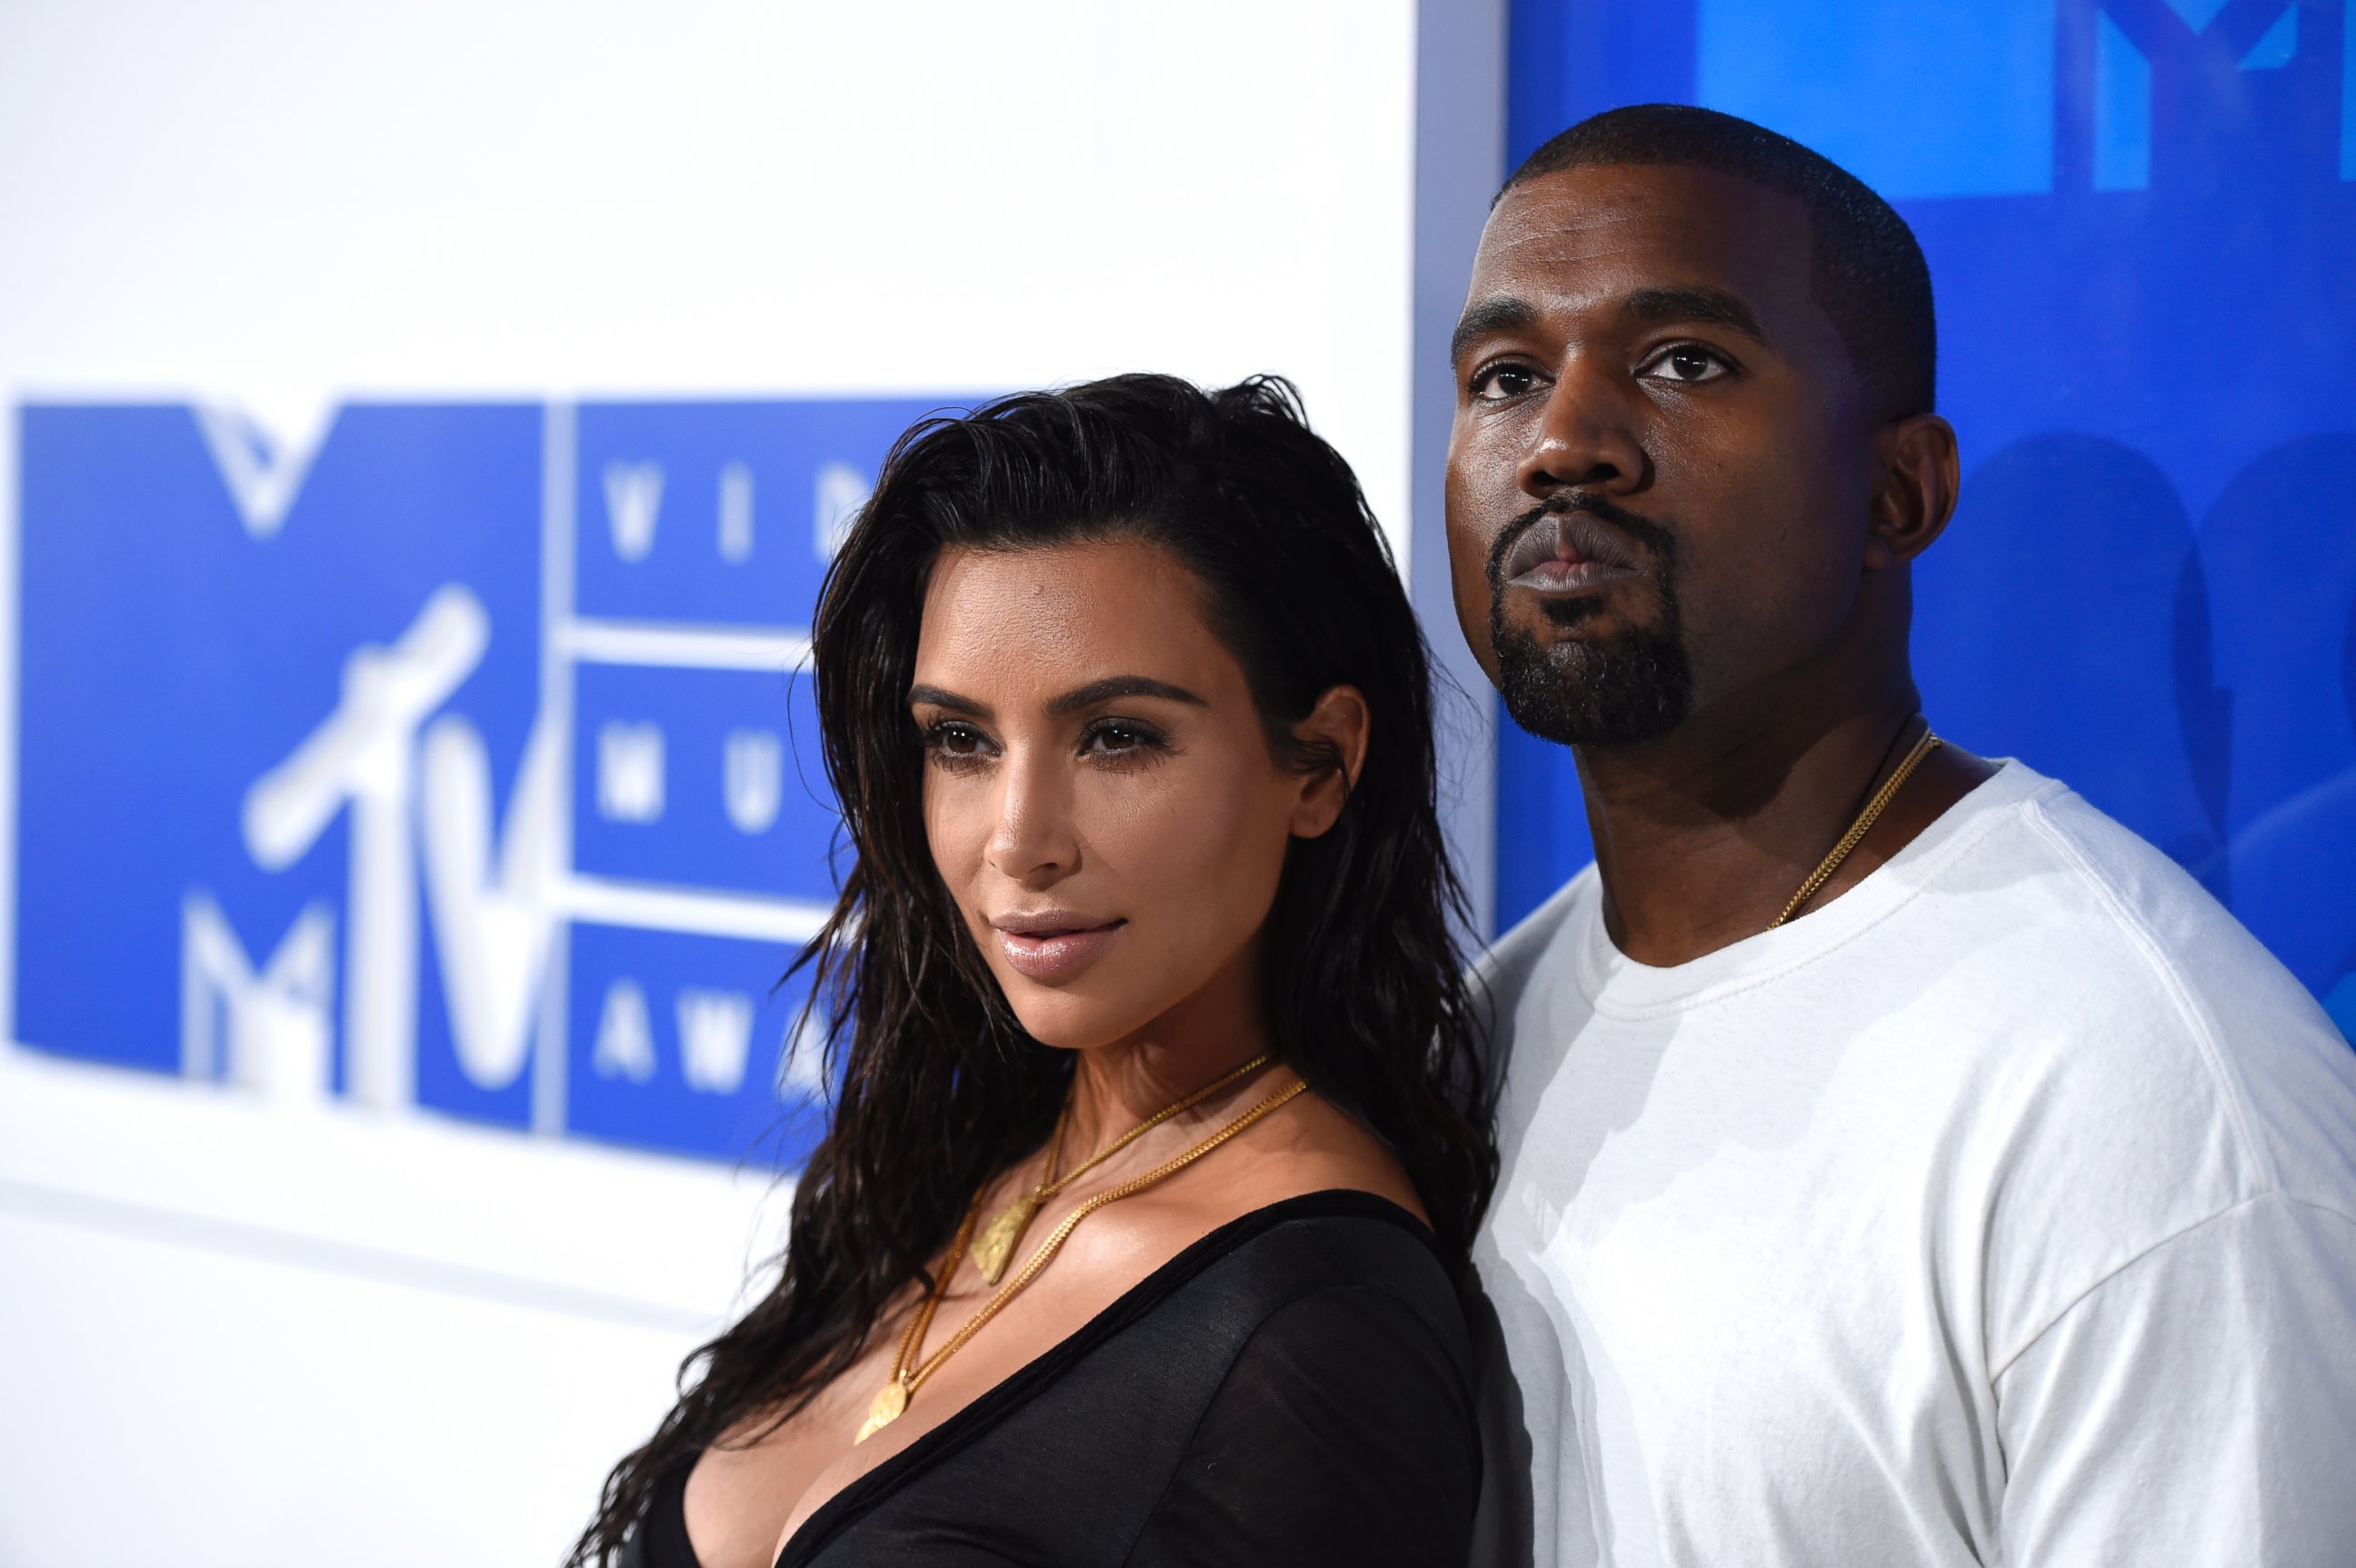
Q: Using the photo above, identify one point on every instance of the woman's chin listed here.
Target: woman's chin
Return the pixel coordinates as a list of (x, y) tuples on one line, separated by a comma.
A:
[(1071, 1023), (1065, 1033)]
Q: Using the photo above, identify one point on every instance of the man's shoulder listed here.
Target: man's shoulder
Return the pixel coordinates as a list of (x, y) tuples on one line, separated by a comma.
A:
[(2153, 982), (2114, 896)]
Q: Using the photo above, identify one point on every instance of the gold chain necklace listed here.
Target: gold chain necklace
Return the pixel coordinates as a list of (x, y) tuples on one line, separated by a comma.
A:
[(894, 1396), (999, 1238), (1858, 828)]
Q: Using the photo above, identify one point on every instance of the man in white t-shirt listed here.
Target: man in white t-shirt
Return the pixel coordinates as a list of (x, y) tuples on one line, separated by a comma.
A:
[(1988, 1197)]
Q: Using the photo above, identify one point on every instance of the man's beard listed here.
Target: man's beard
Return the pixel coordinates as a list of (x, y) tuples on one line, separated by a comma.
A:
[(1586, 691)]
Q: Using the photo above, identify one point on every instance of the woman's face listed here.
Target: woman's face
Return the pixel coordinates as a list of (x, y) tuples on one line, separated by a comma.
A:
[(1098, 794)]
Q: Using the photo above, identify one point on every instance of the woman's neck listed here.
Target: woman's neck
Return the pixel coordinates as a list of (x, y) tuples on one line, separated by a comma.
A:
[(1117, 1085)]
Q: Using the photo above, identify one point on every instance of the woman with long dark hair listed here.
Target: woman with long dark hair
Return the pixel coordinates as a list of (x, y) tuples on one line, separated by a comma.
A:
[(1159, 1140)]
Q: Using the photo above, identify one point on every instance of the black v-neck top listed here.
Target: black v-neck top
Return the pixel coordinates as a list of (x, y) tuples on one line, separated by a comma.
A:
[(1294, 1388)]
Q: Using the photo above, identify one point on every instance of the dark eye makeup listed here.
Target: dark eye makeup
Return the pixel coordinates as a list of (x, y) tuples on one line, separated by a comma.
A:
[(1113, 739), (957, 745)]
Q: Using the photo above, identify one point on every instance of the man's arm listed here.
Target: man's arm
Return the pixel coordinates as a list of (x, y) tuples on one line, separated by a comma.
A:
[(2196, 1408)]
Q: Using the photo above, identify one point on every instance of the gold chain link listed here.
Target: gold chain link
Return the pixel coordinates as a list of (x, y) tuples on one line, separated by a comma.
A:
[(1051, 1184), (921, 1321), (1857, 829), (913, 1380)]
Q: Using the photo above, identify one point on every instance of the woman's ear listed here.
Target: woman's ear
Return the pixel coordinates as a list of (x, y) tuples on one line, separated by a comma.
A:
[(1335, 729)]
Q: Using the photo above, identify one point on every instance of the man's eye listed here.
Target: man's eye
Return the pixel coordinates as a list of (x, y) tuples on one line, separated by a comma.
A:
[(1502, 381), (1686, 362)]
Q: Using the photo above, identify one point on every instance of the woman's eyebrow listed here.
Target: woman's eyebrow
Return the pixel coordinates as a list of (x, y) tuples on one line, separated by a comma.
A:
[(1112, 686), (937, 697)]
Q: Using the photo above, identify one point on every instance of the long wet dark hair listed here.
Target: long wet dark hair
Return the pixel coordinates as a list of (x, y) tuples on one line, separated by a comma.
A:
[(941, 1088)]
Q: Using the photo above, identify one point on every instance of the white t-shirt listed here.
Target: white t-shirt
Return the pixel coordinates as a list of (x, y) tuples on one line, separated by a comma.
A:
[(2002, 1210)]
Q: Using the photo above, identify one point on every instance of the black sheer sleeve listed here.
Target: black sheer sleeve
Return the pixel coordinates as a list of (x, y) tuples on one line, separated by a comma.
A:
[(1343, 1433)]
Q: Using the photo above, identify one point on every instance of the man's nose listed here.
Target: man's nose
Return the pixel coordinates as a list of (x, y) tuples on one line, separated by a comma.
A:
[(1586, 436), (1032, 841)]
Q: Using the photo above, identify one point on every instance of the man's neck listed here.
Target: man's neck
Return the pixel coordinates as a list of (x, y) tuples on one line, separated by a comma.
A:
[(1703, 837)]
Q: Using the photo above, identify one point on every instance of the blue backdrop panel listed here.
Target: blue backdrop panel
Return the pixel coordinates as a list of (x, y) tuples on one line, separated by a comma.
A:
[(719, 513), (2140, 216), (738, 800), (470, 766), (686, 1043)]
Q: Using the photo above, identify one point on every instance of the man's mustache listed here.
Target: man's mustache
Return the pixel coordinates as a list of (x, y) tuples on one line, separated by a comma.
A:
[(1657, 541)]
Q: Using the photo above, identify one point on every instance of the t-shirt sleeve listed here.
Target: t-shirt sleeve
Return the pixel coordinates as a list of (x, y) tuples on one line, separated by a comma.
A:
[(2198, 1407), (1343, 1433)]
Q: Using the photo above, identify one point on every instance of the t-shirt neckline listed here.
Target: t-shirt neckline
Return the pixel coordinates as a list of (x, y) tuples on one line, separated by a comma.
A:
[(1615, 983)]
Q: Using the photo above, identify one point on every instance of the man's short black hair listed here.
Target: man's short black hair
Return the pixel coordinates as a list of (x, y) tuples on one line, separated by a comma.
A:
[(1866, 271)]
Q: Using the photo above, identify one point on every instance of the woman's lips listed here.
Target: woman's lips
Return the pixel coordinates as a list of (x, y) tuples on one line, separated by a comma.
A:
[(1056, 954)]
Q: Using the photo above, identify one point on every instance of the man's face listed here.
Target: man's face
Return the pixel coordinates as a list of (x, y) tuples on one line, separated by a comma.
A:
[(1660, 473)]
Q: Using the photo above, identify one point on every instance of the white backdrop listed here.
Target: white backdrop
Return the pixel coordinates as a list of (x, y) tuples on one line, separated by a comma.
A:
[(234, 1330)]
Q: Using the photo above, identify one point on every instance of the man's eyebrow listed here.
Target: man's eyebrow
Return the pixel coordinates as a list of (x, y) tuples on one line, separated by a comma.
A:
[(1502, 314), (937, 697), (1694, 301), (1113, 686)]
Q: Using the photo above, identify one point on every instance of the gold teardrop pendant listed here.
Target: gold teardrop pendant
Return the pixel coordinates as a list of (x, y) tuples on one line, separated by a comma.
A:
[(890, 1401), (996, 1244)]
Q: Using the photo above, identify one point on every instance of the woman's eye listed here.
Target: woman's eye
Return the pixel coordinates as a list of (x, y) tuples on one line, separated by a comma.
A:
[(955, 743), (1113, 737), (1502, 381), (1688, 363)]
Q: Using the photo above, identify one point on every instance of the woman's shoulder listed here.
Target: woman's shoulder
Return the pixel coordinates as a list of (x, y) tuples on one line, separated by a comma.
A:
[(1331, 1225), (1292, 1265), (1337, 1301), (1341, 1425)]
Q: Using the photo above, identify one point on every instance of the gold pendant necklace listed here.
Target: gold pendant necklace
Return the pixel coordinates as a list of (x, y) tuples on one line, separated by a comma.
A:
[(996, 1244), (999, 1238), (1859, 828), (892, 1398)]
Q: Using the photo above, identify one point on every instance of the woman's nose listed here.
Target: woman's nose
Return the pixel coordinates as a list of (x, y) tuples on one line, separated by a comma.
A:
[(1031, 840)]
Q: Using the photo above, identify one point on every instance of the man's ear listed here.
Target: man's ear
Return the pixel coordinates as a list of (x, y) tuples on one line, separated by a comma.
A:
[(1917, 492), (1336, 727)]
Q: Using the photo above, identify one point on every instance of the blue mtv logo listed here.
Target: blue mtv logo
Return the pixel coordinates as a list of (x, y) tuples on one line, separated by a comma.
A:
[(1937, 97), (468, 763)]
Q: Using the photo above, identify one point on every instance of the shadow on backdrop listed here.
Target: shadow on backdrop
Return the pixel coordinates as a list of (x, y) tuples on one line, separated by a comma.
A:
[(2139, 215)]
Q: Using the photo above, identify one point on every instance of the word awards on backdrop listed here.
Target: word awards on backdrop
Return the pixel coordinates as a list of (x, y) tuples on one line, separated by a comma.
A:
[(467, 761)]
